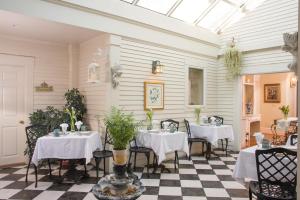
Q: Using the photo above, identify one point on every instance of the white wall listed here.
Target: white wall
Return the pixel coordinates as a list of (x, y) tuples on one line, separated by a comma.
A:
[(259, 37), (51, 66), (95, 93), (136, 59)]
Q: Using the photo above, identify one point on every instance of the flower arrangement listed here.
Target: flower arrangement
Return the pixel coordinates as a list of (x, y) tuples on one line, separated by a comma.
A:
[(149, 118), (285, 109), (197, 112), (73, 118)]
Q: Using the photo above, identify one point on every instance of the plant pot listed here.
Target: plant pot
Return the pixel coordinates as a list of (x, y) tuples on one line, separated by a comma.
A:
[(120, 157)]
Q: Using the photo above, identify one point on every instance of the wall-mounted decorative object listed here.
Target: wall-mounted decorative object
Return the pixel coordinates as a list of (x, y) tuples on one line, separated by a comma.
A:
[(293, 81), (272, 93), (94, 67), (232, 60), (153, 95), (291, 46), (44, 87), (115, 75), (157, 68)]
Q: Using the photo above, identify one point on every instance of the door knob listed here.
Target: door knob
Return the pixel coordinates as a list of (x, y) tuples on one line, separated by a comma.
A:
[(21, 122)]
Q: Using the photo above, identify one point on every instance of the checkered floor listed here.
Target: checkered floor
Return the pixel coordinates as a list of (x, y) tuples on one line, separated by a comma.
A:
[(197, 179)]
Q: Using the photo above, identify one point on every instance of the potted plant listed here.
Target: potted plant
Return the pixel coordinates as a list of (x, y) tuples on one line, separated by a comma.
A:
[(285, 109), (121, 127), (73, 119)]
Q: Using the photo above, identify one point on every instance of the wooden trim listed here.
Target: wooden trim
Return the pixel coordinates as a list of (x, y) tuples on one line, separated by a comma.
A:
[(279, 93), (163, 95)]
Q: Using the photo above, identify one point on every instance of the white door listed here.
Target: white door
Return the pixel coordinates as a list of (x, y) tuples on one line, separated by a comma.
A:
[(15, 104)]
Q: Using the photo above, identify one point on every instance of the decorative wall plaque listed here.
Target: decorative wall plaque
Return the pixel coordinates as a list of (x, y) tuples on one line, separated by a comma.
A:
[(44, 87)]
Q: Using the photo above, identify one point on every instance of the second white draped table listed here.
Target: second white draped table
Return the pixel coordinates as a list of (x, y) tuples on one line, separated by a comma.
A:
[(163, 143)]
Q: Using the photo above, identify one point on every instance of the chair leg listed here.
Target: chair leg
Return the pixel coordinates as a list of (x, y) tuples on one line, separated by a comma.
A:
[(49, 165), (148, 160), (190, 150), (60, 167), (129, 159), (26, 178), (104, 163), (203, 143), (226, 145), (85, 171), (97, 167), (175, 161), (36, 176), (250, 194), (222, 144), (134, 167)]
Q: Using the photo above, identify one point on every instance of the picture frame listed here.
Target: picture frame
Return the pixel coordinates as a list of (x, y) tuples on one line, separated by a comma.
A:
[(154, 95), (272, 93)]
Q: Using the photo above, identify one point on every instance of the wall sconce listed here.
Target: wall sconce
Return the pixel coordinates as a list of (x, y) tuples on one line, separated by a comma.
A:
[(293, 81), (157, 68)]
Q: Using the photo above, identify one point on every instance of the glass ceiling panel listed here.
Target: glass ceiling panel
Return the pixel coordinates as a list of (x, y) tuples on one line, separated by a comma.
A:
[(217, 16), (129, 1), (190, 10), (161, 6)]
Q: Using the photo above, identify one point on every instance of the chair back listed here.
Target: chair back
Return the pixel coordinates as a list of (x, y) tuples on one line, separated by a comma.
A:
[(219, 120), (277, 166), (187, 126), (107, 139), (172, 122), (294, 139), (33, 132)]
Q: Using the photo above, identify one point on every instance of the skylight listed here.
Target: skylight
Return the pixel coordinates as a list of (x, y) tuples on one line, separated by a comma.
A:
[(217, 16), (214, 15), (161, 6), (190, 10)]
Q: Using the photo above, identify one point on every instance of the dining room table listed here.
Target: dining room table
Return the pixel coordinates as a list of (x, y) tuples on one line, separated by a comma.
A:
[(70, 146), (245, 168), (212, 133), (162, 143)]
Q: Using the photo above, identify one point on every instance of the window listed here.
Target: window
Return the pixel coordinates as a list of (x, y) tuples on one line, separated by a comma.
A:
[(196, 86), (161, 6)]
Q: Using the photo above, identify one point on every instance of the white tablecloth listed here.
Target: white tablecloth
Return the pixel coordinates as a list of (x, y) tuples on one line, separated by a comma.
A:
[(212, 133), (245, 166), (163, 143), (71, 146)]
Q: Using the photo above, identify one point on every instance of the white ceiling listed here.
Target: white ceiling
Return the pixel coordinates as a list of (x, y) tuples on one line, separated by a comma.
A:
[(17, 25)]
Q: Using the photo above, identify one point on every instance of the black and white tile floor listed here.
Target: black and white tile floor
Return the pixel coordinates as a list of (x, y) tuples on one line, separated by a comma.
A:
[(197, 179)]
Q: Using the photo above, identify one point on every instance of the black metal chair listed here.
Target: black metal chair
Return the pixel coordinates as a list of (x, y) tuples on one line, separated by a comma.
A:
[(294, 139), (136, 149), (33, 132), (103, 154), (172, 124), (292, 129), (277, 175), (220, 120), (192, 140)]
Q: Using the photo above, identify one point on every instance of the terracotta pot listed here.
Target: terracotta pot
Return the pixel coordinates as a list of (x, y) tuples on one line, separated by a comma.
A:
[(120, 157)]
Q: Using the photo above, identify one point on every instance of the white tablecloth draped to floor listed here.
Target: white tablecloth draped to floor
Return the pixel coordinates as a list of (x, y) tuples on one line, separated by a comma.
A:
[(70, 146), (163, 143), (245, 167), (211, 132)]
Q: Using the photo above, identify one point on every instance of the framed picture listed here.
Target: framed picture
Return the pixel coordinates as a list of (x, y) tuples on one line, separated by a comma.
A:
[(272, 93), (153, 95)]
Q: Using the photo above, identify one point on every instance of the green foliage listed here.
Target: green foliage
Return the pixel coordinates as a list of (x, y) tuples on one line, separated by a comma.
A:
[(76, 100), (121, 127), (50, 117), (232, 61), (73, 118), (285, 109)]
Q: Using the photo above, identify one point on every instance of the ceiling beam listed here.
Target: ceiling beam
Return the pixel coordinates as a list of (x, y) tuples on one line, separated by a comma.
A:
[(212, 5), (135, 2)]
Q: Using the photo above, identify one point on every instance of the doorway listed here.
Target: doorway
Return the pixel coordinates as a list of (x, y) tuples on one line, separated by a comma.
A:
[(16, 92), (263, 94)]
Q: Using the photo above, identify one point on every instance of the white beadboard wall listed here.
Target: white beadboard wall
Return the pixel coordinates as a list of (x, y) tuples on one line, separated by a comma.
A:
[(136, 59), (94, 92), (51, 66), (259, 37)]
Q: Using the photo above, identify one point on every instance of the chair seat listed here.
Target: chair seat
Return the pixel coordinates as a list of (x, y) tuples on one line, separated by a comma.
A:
[(140, 149), (197, 140), (102, 154), (272, 192)]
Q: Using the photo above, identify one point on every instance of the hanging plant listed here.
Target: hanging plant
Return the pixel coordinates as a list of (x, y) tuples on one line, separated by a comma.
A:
[(232, 61)]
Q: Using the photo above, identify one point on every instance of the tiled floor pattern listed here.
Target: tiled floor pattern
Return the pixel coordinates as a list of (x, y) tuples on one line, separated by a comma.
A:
[(197, 179)]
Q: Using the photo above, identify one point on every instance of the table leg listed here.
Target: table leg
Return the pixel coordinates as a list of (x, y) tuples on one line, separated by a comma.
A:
[(208, 151), (73, 174)]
